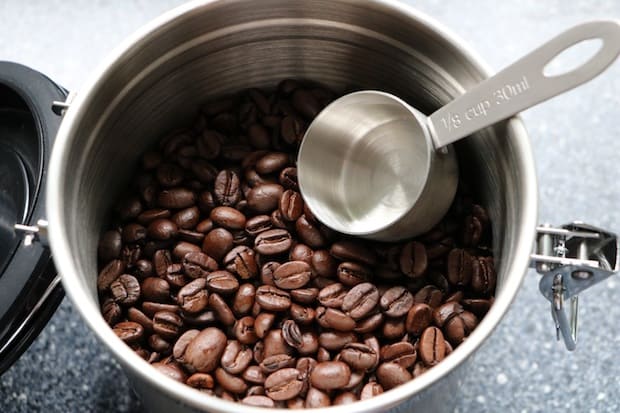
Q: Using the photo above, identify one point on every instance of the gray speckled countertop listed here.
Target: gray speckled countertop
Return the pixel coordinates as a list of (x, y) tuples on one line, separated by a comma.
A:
[(521, 368)]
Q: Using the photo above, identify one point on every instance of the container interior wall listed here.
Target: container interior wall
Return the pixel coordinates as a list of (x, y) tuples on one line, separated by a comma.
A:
[(160, 83)]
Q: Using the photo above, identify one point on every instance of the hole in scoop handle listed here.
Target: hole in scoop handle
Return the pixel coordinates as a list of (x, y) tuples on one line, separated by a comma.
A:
[(523, 84)]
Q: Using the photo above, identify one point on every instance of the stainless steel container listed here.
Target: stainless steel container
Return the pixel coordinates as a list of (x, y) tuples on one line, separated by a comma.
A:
[(156, 80)]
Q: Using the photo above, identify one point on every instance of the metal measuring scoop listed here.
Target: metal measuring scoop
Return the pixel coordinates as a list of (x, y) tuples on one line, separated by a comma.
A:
[(371, 165)]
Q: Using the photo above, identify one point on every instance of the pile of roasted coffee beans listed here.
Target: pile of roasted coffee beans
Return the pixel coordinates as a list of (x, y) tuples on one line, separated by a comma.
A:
[(215, 271)]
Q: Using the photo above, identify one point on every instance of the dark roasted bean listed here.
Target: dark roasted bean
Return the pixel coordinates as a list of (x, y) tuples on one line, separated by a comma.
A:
[(276, 362), (283, 384), (125, 289), (236, 357), (413, 261), (316, 399), (110, 245), (352, 274), (200, 381), (459, 267), (275, 344), (204, 352), (272, 298), (302, 315), (360, 300), (418, 318), (336, 340), (396, 301), (292, 275), (109, 274), (264, 198), (244, 299), (330, 375), (111, 311), (233, 384), (241, 260), (258, 401), (291, 334), (263, 323), (244, 330), (359, 356), (291, 205), (305, 295), (288, 178), (309, 233), (258, 224), (167, 324), (273, 241), (371, 390), (176, 198), (334, 319), (155, 289), (198, 265), (162, 229), (193, 297), (222, 310), (227, 188), (217, 243), (129, 331), (186, 218), (353, 251), (391, 375), (172, 370), (432, 346)]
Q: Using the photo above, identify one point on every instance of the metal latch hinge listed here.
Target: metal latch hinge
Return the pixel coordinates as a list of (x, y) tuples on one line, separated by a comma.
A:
[(59, 107), (32, 233), (572, 258)]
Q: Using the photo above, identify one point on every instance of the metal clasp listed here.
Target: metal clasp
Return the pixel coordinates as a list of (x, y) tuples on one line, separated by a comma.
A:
[(33, 233), (59, 107), (571, 259)]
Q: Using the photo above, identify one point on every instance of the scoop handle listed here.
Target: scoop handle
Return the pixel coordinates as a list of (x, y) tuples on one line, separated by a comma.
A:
[(523, 84)]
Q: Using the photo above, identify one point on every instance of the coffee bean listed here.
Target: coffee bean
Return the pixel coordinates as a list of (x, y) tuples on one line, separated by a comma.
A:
[(155, 289), (200, 381), (459, 267), (264, 198), (305, 295), (273, 242), (230, 383), (109, 247), (259, 136), (472, 231), (396, 301), (167, 324), (244, 299), (369, 324), (158, 344), (443, 313), (150, 308), (193, 297), (291, 205), (292, 275), (391, 375), (198, 265), (276, 362), (283, 384), (292, 129), (109, 274), (309, 233), (227, 188), (236, 357), (430, 295), (418, 318), (291, 334), (186, 218), (244, 331), (129, 331), (432, 347), (171, 370), (254, 374), (258, 224), (203, 353), (371, 390), (483, 277), (306, 103), (323, 264), (272, 298), (263, 323), (334, 319), (288, 178), (125, 289), (413, 260), (258, 401), (180, 346), (241, 260), (336, 340), (162, 229), (222, 311), (181, 249), (217, 243), (111, 311), (345, 398), (333, 295), (175, 276), (360, 300), (353, 251), (201, 319), (206, 202), (359, 356), (330, 375), (301, 252), (272, 162), (161, 261), (228, 217), (302, 315), (402, 353), (316, 399), (176, 198), (478, 306), (352, 274), (275, 344), (209, 144), (394, 328)]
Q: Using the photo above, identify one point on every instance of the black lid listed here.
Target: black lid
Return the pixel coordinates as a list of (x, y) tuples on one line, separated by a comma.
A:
[(29, 287)]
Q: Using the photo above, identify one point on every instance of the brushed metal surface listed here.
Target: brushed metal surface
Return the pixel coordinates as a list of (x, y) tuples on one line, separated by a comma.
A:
[(367, 167), (157, 78)]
